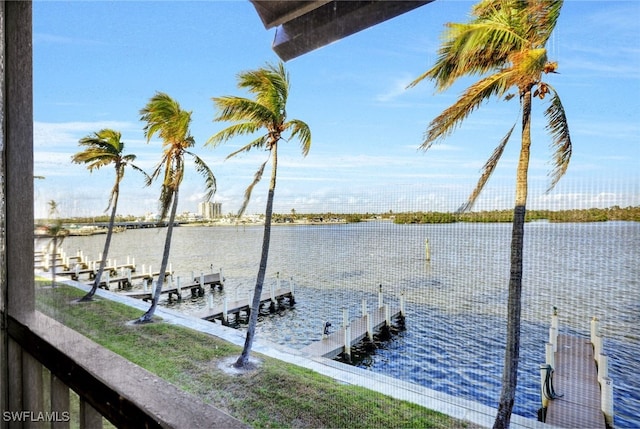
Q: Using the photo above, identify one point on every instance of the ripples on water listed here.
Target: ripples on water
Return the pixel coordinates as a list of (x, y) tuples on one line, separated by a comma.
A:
[(456, 303)]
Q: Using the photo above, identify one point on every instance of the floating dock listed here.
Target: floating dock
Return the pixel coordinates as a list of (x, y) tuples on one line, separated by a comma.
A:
[(576, 390), (354, 332)]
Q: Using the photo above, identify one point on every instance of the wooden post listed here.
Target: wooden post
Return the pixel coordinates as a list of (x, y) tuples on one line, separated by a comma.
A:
[(543, 379), (550, 355), (345, 316), (595, 327), (367, 321), (380, 298), (225, 319), (603, 367), (387, 316), (553, 338), (107, 281), (597, 347), (364, 307), (291, 286), (427, 251), (178, 287), (607, 400), (129, 276), (221, 277), (202, 279), (347, 342), (402, 304)]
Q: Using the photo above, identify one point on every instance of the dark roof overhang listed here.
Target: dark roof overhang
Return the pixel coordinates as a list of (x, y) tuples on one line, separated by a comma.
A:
[(302, 26)]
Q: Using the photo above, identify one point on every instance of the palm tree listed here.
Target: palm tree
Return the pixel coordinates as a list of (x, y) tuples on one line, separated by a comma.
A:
[(267, 112), (101, 149), (165, 118), (57, 232), (504, 43)]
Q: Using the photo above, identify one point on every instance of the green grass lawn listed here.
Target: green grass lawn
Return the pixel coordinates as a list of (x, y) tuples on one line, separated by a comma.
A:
[(278, 394)]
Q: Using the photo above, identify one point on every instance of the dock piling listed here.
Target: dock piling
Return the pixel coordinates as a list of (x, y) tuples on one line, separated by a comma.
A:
[(347, 342), (607, 400), (225, 308), (553, 338), (550, 355)]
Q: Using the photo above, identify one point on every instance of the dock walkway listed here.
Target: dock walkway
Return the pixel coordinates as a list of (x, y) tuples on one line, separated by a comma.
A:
[(576, 379), (274, 297), (576, 390), (196, 287), (334, 344)]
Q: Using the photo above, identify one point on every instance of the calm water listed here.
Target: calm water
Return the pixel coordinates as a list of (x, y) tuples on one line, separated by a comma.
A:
[(455, 303)]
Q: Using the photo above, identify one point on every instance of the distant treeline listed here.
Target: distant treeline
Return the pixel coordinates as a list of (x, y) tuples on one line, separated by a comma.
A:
[(585, 215)]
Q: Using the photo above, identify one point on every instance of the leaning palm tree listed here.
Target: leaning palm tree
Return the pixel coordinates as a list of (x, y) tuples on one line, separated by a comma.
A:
[(165, 117), (101, 149), (265, 113), (504, 43)]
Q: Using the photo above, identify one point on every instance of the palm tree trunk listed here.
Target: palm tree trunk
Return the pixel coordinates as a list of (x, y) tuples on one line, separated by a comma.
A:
[(147, 317), (514, 305), (54, 256), (105, 251), (243, 360)]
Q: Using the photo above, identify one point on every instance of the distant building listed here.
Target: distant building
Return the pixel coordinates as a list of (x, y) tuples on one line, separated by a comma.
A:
[(210, 210)]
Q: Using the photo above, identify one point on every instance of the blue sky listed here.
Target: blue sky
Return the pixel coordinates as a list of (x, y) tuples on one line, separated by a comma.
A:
[(96, 64)]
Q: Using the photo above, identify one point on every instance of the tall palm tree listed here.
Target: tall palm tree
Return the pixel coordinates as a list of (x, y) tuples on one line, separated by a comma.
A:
[(266, 113), (101, 149), (165, 117), (505, 44)]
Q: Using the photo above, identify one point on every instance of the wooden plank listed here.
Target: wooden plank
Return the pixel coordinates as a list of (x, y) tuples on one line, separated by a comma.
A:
[(576, 378), (332, 345)]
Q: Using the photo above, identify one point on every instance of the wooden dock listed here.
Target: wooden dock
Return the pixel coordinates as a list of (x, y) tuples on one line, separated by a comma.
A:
[(197, 287), (366, 326), (576, 379), (273, 297), (576, 390)]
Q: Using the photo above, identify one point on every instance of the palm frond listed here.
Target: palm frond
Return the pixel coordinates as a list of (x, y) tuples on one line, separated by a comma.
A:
[(302, 131), (270, 86), (487, 170), (259, 142), (165, 117), (210, 180), (558, 128), (443, 125), (240, 109), (249, 190), (232, 131)]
